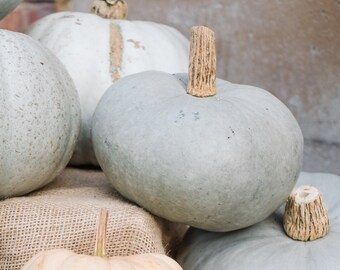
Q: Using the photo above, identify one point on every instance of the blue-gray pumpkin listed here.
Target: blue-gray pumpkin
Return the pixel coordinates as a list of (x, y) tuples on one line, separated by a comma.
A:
[(39, 115), (219, 163), (265, 245)]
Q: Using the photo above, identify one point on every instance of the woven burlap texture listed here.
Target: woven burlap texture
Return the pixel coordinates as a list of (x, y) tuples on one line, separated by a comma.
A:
[(65, 214)]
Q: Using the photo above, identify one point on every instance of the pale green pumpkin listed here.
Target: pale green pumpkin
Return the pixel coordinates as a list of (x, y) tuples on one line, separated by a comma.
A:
[(218, 163), (39, 115), (265, 246)]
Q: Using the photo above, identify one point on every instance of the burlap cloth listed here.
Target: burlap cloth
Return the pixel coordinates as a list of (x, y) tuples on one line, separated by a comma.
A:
[(65, 213)]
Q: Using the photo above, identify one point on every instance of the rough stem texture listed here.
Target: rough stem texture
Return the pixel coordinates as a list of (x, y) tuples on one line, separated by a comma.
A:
[(100, 247), (306, 217), (202, 67), (116, 51), (110, 9)]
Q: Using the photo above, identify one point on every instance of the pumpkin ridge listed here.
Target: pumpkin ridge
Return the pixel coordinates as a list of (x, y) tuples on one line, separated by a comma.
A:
[(116, 51)]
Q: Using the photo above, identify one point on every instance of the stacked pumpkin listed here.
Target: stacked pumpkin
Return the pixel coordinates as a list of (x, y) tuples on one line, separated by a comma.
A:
[(39, 113), (189, 148), (300, 235), (211, 158), (100, 48)]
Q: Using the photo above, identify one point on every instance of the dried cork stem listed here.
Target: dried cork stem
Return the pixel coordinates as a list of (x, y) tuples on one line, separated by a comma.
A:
[(306, 217), (202, 67), (100, 247), (110, 9)]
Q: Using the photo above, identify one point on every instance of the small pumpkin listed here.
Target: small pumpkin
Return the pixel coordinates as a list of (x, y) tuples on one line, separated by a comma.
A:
[(6, 6), (63, 259), (220, 162), (39, 115), (266, 245), (100, 48)]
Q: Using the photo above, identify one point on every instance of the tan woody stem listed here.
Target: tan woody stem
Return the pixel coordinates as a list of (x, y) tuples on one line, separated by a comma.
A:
[(306, 217), (202, 65), (110, 9), (100, 247)]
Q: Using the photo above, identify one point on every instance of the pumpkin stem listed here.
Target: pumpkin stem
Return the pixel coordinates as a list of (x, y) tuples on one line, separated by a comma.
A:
[(202, 64), (62, 5), (110, 9), (100, 247), (306, 217)]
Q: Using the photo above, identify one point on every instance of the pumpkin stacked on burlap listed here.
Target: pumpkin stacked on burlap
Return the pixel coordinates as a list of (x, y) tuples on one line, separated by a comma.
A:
[(221, 157), (39, 115)]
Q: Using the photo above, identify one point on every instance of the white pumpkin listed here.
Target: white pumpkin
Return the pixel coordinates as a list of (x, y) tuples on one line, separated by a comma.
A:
[(220, 163), (6, 6), (39, 115), (98, 51), (265, 246), (63, 259)]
